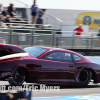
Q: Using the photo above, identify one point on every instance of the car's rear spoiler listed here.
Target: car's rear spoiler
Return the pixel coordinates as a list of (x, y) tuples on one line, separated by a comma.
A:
[(14, 55)]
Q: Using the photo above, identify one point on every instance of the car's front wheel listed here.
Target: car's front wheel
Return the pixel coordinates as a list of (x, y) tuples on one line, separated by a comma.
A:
[(18, 77), (83, 78)]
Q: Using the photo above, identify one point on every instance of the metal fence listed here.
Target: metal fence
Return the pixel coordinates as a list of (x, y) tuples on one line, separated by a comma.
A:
[(51, 38)]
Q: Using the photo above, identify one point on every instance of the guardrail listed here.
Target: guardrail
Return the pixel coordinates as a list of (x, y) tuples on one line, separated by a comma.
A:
[(51, 38)]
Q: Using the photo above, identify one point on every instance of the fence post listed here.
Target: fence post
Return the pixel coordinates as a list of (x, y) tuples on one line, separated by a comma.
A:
[(10, 33), (53, 38), (92, 41), (17, 39), (87, 43), (32, 37), (73, 40)]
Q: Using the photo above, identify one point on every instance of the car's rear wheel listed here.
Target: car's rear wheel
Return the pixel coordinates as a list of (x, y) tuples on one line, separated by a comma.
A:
[(18, 77), (83, 78)]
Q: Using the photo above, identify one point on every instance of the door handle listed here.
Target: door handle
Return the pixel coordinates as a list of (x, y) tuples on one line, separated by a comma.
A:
[(70, 65)]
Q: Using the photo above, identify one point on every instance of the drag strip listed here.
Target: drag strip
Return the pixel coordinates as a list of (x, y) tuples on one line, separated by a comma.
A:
[(78, 97), (91, 89)]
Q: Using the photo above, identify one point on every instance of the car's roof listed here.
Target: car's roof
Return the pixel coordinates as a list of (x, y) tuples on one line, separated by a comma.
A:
[(53, 49), (60, 49)]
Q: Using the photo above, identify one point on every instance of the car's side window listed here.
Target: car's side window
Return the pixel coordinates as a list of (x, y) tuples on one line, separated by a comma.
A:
[(59, 56), (76, 57)]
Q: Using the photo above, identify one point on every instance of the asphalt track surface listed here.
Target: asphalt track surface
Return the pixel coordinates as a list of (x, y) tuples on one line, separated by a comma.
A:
[(91, 89)]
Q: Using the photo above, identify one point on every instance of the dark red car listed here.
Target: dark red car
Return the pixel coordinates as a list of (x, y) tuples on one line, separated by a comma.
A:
[(46, 65)]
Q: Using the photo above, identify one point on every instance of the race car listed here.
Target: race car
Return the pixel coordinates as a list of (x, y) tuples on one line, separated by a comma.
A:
[(46, 65)]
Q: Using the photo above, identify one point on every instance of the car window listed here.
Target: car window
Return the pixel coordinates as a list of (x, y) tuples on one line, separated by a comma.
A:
[(76, 57), (59, 56), (35, 51)]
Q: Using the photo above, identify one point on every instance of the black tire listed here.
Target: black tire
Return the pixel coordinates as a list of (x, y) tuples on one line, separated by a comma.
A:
[(18, 77), (83, 78)]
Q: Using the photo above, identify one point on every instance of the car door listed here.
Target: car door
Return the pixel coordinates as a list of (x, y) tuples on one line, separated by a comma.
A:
[(57, 66)]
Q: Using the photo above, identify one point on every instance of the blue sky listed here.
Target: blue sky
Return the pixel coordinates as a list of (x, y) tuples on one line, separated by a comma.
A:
[(59, 4)]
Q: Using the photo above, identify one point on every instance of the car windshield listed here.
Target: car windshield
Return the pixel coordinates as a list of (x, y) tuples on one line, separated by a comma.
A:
[(35, 51)]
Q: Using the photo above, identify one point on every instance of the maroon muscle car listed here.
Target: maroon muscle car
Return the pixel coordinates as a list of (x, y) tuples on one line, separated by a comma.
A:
[(46, 65)]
